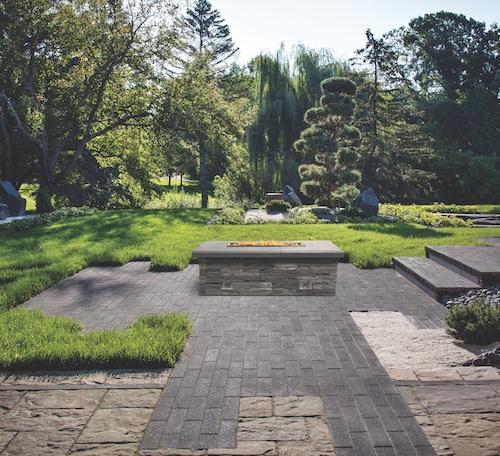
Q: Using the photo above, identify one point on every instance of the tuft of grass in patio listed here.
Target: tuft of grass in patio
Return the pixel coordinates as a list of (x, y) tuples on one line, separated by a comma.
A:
[(31, 340), (34, 260)]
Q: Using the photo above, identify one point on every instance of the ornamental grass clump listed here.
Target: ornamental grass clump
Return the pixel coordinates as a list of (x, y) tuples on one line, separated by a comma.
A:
[(476, 323)]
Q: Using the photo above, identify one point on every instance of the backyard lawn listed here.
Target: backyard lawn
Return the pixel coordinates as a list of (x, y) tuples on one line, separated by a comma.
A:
[(33, 260)]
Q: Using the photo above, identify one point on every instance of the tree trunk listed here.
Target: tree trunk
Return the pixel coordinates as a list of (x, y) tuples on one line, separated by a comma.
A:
[(170, 180), (203, 177), (44, 197), (181, 181)]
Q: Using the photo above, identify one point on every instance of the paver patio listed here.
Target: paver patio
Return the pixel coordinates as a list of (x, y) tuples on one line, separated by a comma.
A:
[(244, 348), (261, 346)]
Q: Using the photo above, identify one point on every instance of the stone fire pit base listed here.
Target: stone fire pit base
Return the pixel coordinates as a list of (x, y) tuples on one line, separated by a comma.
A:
[(309, 269)]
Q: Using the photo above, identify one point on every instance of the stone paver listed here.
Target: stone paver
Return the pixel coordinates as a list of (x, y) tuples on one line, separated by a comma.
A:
[(255, 407), (298, 406), (99, 421), (459, 419), (259, 346)]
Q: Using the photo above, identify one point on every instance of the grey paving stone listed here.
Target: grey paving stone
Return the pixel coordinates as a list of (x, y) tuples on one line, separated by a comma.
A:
[(251, 346)]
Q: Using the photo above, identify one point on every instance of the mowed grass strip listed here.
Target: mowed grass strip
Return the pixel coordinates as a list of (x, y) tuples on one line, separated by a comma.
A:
[(30, 340), (34, 260)]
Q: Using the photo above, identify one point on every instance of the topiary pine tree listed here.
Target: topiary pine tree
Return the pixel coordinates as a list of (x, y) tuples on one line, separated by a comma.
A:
[(328, 146)]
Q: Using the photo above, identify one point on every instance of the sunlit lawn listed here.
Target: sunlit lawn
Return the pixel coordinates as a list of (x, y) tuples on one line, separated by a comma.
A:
[(31, 261), (31, 340)]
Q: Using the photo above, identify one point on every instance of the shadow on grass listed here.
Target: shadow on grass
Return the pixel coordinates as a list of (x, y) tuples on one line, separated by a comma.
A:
[(399, 229)]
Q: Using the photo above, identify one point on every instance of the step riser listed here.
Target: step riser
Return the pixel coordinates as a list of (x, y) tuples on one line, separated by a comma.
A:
[(459, 269), (437, 292), (413, 278), (482, 279)]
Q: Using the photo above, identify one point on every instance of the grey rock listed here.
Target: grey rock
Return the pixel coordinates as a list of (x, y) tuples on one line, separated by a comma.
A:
[(368, 202), (291, 197), (4, 211), (489, 358), (10, 197)]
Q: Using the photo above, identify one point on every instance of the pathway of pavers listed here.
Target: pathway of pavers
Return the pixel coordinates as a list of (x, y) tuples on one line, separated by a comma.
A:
[(261, 347)]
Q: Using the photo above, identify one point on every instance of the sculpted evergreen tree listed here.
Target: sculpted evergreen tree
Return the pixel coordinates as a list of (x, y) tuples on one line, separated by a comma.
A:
[(328, 146), (205, 36)]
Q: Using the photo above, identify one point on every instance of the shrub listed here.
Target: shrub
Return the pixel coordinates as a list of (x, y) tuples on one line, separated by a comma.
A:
[(277, 206), (176, 199), (303, 217), (476, 323), (419, 215), (228, 216), (46, 219)]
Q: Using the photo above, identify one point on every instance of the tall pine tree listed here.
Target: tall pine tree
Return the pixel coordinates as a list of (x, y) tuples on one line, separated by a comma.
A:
[(395, 150), (328, 146), (205, 36)]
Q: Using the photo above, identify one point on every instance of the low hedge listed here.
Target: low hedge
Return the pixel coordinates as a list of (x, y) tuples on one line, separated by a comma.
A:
[(46, 219), (277, 206), (419, 215)]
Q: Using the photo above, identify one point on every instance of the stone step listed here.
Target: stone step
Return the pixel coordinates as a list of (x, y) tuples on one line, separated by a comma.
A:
[(478, 264), (433, 278)]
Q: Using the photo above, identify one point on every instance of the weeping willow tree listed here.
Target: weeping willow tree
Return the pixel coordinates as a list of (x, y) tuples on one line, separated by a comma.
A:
[(285, 86), (276, 123)]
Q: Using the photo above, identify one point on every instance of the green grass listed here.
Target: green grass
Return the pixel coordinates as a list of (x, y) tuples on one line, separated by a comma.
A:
[(32, 261), (31, 340)]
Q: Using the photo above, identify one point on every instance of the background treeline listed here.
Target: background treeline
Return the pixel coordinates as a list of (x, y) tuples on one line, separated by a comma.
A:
[(101, 99)]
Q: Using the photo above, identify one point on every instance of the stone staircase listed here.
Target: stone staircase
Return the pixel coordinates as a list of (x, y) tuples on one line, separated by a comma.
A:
[(451, 270)]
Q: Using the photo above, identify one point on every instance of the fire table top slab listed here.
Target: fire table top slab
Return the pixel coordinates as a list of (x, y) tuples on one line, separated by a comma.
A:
[(301, 249)]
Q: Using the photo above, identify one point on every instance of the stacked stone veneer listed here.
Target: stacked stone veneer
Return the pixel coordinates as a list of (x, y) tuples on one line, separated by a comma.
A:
[(267, 277), (308, 268)]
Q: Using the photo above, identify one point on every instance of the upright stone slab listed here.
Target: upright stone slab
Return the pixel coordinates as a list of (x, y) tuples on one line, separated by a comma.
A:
[(304, 268)]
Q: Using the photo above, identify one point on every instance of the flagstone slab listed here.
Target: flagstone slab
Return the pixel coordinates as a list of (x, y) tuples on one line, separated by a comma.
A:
[(458, 398), (272, 428), (25, 419), (60, 399), (5, 438), (131, 398), (471, 434), (100, 449), (9, 399), (311, 448), (256, 407), (298, 406), (119, 425), (253, 448), (41, 443)]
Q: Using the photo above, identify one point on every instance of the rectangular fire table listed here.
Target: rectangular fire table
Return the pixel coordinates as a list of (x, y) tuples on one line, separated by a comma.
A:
[(294, 268)]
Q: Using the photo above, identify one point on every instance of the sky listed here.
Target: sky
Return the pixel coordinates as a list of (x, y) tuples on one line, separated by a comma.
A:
[(340, 25)]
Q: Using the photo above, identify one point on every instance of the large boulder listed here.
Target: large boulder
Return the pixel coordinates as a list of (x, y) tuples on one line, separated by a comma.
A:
[(368, 202), (11, 197), (4, 211), (291, 197)]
